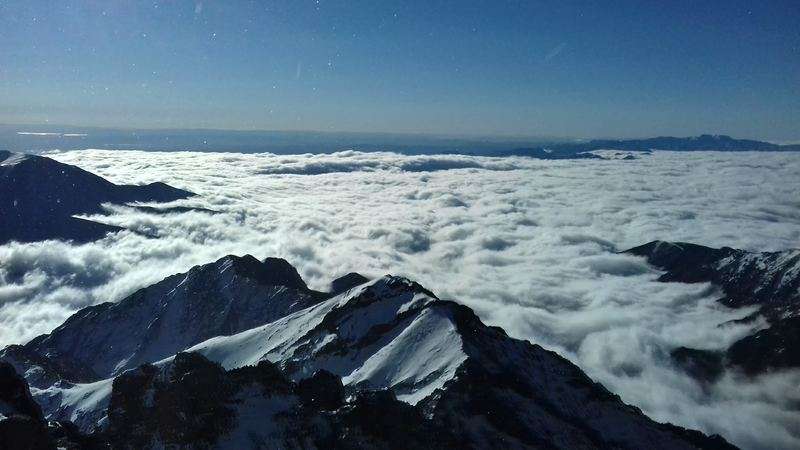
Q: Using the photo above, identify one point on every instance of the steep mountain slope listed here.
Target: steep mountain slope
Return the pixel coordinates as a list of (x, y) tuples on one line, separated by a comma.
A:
[(769, 280), (487, 389), (221, 298), (39, 196)]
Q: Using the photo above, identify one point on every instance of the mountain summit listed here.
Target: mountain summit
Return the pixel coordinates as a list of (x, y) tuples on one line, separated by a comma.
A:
[(221, 298)]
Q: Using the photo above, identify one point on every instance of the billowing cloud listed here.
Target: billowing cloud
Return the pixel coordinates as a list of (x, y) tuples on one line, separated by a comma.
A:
[(529, 244)]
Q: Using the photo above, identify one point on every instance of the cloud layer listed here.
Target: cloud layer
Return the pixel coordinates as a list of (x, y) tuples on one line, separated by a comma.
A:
[(528, 244)]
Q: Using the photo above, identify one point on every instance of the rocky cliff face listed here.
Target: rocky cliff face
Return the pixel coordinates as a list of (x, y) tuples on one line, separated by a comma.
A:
[(770, 281)]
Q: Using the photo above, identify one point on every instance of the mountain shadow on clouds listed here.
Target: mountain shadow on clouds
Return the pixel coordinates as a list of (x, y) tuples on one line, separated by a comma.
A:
[(39, 197)]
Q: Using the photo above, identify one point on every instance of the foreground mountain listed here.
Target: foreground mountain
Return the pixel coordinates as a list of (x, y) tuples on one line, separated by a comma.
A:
[(770, 281), (415, 371), (39, 196)]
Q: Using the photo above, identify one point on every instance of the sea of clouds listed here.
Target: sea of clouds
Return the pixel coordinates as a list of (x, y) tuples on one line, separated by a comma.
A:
[(530, 245)]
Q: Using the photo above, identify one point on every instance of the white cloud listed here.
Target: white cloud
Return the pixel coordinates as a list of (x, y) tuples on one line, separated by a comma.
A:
[(528, 244)]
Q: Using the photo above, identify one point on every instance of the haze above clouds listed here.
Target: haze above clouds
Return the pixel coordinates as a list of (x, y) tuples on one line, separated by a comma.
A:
[(529, 244)]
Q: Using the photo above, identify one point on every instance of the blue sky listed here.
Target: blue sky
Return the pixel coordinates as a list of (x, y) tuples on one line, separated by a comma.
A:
[(553, 68)]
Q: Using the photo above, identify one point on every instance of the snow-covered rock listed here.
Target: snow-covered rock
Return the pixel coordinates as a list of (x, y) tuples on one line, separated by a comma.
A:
[(457, 377)]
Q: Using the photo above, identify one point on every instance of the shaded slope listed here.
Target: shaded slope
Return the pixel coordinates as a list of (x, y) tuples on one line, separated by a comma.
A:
[(39, 196), (194, 402)]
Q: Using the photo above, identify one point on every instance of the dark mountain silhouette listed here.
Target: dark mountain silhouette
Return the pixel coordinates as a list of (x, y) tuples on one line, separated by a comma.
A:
[(39, 196)]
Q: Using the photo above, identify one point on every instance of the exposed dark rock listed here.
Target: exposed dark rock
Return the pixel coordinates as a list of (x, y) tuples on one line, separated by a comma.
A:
[(22, 424), (24, 432), (512, 394), (187, 405), (278, 272), (15, 397), (376, 419), (346, 282), (42, 371), (195, 402), (774, 348), (323, 390)]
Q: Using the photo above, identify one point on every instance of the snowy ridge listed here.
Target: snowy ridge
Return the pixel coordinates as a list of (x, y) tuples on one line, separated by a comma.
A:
[(379, 335), (224, 297), (10, 159)]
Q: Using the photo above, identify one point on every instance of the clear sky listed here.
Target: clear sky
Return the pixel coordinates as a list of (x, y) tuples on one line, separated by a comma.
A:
[(553, 68)]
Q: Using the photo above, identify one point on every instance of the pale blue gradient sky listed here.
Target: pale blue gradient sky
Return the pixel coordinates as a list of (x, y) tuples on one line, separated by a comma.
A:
[(562, 68)]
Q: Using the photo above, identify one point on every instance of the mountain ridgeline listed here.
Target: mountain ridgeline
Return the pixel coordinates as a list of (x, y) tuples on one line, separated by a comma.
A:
[(39, 197), (240, 353), (34, 139), (704, 142)]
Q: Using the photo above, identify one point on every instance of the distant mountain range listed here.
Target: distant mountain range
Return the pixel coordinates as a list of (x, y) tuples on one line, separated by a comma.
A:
[(21, 138), (705, 142), (383, 364), (39, 197)]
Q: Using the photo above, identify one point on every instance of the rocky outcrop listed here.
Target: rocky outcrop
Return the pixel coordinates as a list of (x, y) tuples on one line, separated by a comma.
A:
[(346, 282), (193, 402), (22, 424)]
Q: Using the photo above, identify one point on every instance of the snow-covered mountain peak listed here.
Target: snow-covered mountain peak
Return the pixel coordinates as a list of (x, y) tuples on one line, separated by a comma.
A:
[(369, 335), (221, 298)]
